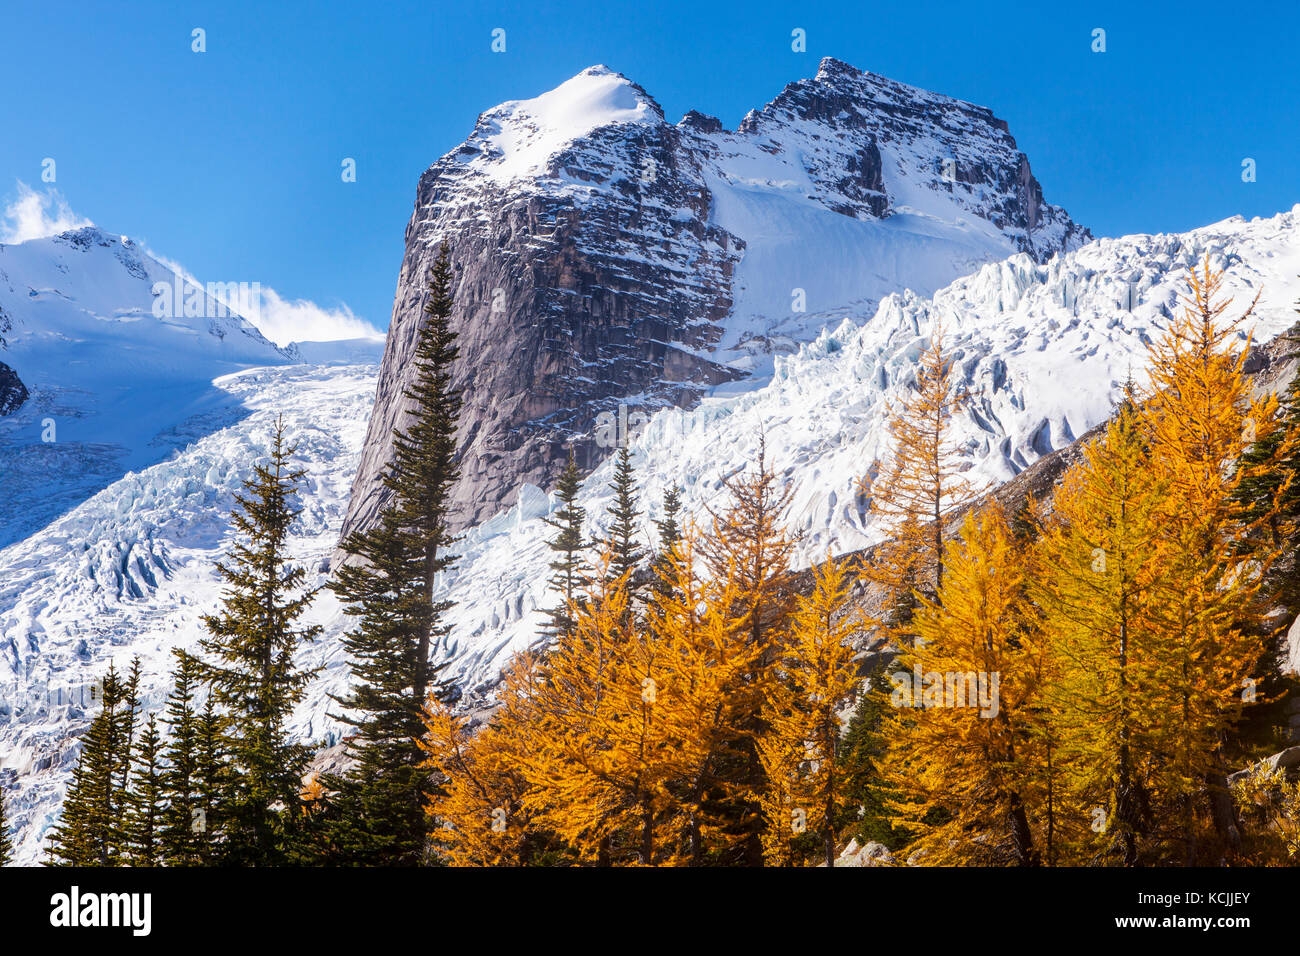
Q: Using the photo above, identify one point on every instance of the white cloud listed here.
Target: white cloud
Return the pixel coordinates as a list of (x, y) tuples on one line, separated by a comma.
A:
[(301, 320), (36, 215), (283, 320)]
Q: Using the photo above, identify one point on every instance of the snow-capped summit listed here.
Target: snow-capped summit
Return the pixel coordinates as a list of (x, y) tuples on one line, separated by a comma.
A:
[(118, 352), (518, 139), (606, 256)]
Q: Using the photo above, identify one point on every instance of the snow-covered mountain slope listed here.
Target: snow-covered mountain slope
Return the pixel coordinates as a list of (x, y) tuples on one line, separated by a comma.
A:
[(150, 398), (119, 354), (606, 255), (1044, 349), (130, 571)]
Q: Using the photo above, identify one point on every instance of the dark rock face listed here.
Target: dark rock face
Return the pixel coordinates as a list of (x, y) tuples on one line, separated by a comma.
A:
[(590, 270), (12, 391)]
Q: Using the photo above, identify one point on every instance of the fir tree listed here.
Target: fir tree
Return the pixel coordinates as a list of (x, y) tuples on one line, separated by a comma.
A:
[(625, 553), (670, 532), (181, 844), (92, 829), (570, 569), (146, 799), (389, 586), (213, 784), (252, 643), (861, 749)]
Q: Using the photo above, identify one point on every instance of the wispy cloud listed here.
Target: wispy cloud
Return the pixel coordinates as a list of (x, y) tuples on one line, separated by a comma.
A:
[(301, 320), (37, 214), (285, 320)]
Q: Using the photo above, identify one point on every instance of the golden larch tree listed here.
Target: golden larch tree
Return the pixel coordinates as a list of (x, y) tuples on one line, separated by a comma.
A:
[(919, 486), (816, 677), (1202, 418), (1101, 588), (959, 761), (481, 812)]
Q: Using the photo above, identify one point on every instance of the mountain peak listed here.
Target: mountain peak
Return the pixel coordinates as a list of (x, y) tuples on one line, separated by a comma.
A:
[(606, 255), (830, 67), (518, 138)]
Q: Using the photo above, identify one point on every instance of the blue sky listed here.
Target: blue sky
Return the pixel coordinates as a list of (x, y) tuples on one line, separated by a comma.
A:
[(229, 161)]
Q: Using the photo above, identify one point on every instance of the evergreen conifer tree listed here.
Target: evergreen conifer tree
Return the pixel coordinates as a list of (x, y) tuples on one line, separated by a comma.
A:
[(146, 799), (388, 585), (570, 568), (861, 748), (670, 532), (252, 643), (213, 784), (625, 553), (92, 829), (181, 844)]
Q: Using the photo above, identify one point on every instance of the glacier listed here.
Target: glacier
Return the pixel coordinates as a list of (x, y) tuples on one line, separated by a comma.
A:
[(1043, 348)]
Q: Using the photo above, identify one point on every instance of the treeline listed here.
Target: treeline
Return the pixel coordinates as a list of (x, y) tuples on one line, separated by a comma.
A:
[(1068, 684)]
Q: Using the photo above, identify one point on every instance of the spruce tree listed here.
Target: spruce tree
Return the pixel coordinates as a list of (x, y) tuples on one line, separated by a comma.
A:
[(670, 533), (570, 569), (388, 585), (181, 845), (252, 643), (6, 843), (212, 774), (145, 799), (625, 554), (861, 750), (92, 829)]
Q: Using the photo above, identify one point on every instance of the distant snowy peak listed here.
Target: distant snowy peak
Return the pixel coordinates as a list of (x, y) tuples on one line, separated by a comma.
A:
[(118, 351), (61, 285), (858, 143)]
